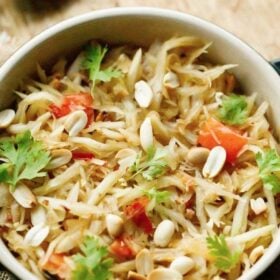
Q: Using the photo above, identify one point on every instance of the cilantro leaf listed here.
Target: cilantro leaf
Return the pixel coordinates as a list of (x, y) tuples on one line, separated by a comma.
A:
[(156, 164), (92, 62), (224, 258), (269, 163), (271, 182), (151, 151), (93, 263), (4, 175), (26, 158), (107, 74), (158, 196), (93, 58), (234, 110), (153, 166), (136, 165)]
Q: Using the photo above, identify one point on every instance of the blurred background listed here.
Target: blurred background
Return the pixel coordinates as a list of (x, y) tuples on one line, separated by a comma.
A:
[(254, 21)]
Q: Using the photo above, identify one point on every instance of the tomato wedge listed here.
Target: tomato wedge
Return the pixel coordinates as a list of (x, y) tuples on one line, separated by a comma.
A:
[(122, 249), (70, 103), (214, 133), (82, 155), (57, 266), (137, 213)]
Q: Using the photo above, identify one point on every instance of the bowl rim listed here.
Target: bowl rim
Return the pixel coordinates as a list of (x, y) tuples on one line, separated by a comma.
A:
[(125, 11), (6, 257)]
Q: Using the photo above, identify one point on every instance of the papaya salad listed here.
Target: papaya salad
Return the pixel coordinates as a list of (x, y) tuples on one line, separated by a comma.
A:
[(138, 163)]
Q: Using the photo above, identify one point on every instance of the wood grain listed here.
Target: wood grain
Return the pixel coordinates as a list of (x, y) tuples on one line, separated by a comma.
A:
[(254, 21)]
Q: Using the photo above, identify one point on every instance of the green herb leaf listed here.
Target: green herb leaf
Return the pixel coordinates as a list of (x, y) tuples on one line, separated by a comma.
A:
[(26, 158), (156, 164), (224, 258), (136, 165), (93, 263), (152, 166), (234, 110), (107, 74), (151, 151), (93, 59), (92, 62), (269, 163), (158, 196)]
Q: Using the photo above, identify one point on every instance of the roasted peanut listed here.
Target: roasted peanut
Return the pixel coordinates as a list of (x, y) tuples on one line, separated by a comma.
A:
[(215, 162), (182, 264), (114, 224), (143, 94), (198, 155), (163, 233)]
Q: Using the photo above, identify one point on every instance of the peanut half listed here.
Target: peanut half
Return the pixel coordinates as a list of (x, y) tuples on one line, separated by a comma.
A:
[(215, 162)]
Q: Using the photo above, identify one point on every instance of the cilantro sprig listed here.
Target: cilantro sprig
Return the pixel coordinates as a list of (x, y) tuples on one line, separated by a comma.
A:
[(269, 163), (152, 166), (233, 110), (158, 196), (25, 156), (93, 263), (225, 259), (92, 62)]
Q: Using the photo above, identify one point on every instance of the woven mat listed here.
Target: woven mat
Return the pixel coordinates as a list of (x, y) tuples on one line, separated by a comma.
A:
[(254, 21), (5, 275)]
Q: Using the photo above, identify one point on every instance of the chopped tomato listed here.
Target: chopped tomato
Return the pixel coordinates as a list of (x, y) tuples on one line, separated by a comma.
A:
[(57, 266), (143, 222), (90, 114), (122, 249), (82, 155), (59, 111), (70, 103), (189, 204), (80, 99), (136, 207), (214, 133), (137, 213)]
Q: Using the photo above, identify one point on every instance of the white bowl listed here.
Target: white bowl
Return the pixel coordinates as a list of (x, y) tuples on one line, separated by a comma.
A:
[(142, 26)]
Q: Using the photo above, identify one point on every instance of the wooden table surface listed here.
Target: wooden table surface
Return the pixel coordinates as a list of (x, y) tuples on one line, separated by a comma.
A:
[(255, 21)]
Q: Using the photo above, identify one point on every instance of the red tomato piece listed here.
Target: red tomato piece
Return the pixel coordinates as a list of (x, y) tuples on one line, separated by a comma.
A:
[(137, 213), (56, 265), (214, 133), (122, 249), (82, 155), (70, 103), (59, 111), (75, 101), (90, 114), (136, 207), (143, 222)]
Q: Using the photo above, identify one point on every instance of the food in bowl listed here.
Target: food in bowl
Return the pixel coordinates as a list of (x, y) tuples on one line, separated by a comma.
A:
[(134, 163)]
